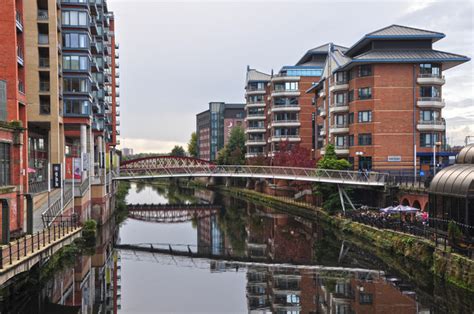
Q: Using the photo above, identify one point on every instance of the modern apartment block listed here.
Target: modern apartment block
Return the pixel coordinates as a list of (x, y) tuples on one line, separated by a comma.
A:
[(214, 125), (13, 117), (380, 101), (60, 58)]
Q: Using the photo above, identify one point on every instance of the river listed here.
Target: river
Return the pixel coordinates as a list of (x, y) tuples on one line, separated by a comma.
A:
[(258, 260)]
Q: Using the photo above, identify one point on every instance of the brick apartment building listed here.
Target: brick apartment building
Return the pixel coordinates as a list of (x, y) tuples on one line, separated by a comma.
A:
[(214, 125), (59, 57), (380, 101)]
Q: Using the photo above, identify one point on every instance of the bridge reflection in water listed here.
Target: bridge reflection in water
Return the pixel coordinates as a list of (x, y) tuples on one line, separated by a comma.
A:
[(292, 264)]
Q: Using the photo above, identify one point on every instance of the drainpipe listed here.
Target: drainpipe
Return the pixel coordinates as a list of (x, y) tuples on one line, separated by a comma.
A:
[(414, 122)]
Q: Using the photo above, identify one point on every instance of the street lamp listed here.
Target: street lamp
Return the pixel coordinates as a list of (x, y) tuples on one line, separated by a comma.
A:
[(434, 156)]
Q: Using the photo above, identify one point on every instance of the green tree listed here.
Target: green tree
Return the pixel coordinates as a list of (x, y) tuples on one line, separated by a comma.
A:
[(193, 145), (329, 192), (233, 152), (178, 151)]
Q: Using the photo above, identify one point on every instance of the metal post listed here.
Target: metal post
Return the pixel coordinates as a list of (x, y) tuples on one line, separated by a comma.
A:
[(5, 221), (342, 199), (434, 158)]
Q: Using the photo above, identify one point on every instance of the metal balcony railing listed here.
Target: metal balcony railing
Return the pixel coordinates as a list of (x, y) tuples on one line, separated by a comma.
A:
[(432, 122), (430, 99), (429, 75)]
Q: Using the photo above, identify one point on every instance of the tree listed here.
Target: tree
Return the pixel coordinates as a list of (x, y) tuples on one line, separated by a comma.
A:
[(293, 155), (193, 145), (331, 199), (233, 152), (178, 151)]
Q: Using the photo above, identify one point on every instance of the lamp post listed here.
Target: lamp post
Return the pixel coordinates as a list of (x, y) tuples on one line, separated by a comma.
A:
[(434, 156)]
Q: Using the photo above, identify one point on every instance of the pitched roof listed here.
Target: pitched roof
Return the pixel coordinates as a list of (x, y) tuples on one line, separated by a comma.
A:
[(320, 50), (400, 30), (395, 32), (257, 76), (410, 56)]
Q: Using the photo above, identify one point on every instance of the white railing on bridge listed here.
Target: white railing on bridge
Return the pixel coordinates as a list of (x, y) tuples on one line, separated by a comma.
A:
[(141, 171)]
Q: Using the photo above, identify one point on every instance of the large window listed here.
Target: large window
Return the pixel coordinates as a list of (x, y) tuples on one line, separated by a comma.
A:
[(340, 120), (76, 63), (304, 72), (350, 95), (340, 99), (428, 69), (256, 99), (76, 40), (365, 116), (75, 18), (285, 131), (281, 101), (365, 70), (365, 298), (430, 91), (76, 107), (290, 86), (429, 115), (428, 139), (340, 77), (285, 116), (365, 93), (340, 141), (256, 86), (4, 164), (77, 85), (365, 139)]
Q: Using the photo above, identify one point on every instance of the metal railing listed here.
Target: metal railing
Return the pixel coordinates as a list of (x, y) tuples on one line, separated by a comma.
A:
[(432, 122), (284, 105), (286, 173), (22, 248), (430, 99), (57, 207), (431, 75), (36, 187)]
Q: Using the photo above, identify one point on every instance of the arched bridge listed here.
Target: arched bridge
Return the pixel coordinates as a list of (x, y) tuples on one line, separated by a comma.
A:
[(176, 167), (166, 213)]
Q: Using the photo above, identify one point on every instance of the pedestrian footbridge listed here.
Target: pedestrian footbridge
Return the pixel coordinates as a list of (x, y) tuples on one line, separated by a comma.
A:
[(187, 167)]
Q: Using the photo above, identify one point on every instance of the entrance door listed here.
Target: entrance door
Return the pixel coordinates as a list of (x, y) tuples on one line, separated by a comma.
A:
[(365, 163)]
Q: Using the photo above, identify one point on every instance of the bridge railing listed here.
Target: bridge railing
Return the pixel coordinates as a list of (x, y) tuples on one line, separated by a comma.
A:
[(292, 173), (20, 249)]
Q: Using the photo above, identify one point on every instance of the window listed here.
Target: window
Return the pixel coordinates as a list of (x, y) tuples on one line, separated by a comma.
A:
[(340, 141), (256, 86), (340, 120), (428, 69), (292, 299), (428, 139), (351, 141), (290, 86), (351, 117), (365, 139), (75, 18), (340, 99), (365, 298), (365, 116), (76, 107), (77, 85), (365, 93), (351, 95), (365, 70), (429, 115), (340, 77), (76, 40), (76, 63), (304, 72), (4, 164), (255, 99), (281, 101), (430, 91), (351, 74)]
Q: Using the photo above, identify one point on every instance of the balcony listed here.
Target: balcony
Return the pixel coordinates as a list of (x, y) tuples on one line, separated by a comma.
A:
[(43, 39), (255, 91), (19, 22), (260, 104), (117, 113), (255, 129), (44, 87), (431, 125), (284, 123), (322, 113), (117, 104), (339, 128), (322, 93), (339, 86), (285, 92), (342, 150), (42, 15), (339, 107), (255, 116), (285, 107), (430, 79), (430, 102), (290, 138), (255, 142), (19, 56), (322, 132)]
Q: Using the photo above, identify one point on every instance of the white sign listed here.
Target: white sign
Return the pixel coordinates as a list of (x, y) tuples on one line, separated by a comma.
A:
[(394, 158)]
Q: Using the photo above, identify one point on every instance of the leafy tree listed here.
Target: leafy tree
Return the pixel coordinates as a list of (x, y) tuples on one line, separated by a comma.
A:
[(233, 152), (331, 199), (293, 155), (258, 161), (193, 145), (178, 151)]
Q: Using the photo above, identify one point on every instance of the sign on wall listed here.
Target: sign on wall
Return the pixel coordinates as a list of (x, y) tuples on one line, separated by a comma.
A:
[(56, 176), (394, 158)]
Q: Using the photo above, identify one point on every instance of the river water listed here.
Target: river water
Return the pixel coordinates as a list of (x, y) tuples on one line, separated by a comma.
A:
[(258, 260), (333, 275)]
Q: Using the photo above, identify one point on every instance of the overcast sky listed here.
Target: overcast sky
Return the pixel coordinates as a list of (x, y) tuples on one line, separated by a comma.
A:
[(177, 56)]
